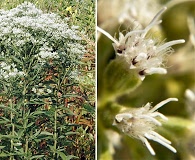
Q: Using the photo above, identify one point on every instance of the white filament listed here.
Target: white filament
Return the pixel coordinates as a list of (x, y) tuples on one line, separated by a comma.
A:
[(108, 35)]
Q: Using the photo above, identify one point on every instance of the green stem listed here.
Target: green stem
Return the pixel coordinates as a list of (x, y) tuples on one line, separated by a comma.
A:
[(25, 122), (55, 132), (13, 129), (26, 147)]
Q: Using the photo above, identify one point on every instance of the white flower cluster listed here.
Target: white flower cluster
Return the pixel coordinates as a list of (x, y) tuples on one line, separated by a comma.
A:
[(41, 90), (47, 32), (142, 53), (140, 123), (46, 53), (8, 71)]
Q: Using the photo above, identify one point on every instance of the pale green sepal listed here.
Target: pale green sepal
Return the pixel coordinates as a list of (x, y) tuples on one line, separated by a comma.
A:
[(119, 79)]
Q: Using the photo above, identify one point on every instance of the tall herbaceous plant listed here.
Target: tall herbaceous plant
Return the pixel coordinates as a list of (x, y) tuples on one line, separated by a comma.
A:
[(143, 58), (39, 55)]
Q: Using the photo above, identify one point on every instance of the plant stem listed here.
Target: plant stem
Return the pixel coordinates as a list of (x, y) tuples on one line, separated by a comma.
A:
[(25, 121), (55, 132), (26, 146), (13, 128)]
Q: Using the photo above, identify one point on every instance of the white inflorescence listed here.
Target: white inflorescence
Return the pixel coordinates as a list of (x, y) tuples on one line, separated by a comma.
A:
[(8, 71), (140, 123), (48, 33), (142, 53)]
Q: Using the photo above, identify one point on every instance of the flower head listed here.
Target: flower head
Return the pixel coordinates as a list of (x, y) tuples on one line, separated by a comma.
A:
[(142, 53), (140, 124)]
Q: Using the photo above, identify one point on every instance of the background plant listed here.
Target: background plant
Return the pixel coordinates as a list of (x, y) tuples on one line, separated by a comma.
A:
[(43, 107)]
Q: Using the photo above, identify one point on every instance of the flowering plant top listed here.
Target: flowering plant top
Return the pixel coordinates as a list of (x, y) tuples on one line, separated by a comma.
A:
[(44, 37)]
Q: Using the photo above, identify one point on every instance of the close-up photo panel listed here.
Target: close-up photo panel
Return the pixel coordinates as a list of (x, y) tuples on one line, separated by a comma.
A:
[(145, 80), (47, 79), (97, 79)]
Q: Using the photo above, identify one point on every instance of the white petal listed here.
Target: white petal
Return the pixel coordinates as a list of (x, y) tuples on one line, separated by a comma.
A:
[(155, 114), (141, 56), (131, 33), (151, 119), (168, 44), (154, 138), (160, 137), (154, 21), (120, 117), (162, 103), (108, 35), (155, 70), (145, 141)]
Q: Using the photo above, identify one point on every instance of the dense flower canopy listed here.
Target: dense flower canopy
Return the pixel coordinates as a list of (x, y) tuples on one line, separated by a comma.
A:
[(28, 30)]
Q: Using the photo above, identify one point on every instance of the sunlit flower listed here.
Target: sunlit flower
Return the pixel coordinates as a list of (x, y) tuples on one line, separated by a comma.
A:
[(140, 123), (140, 52)]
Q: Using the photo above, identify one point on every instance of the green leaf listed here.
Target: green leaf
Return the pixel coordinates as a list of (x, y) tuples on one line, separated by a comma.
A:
[(71, 133), (8, 136), (17, 60), (62, 155), (10, 109), (30, 124), (46, 133), (17, 144), (89, 108), (1, 147), (3, 122), (7, 120), (20, 133), (61, 136), (71, 156), (37, 113), (37, 156), (2, 154), (36, 134)]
